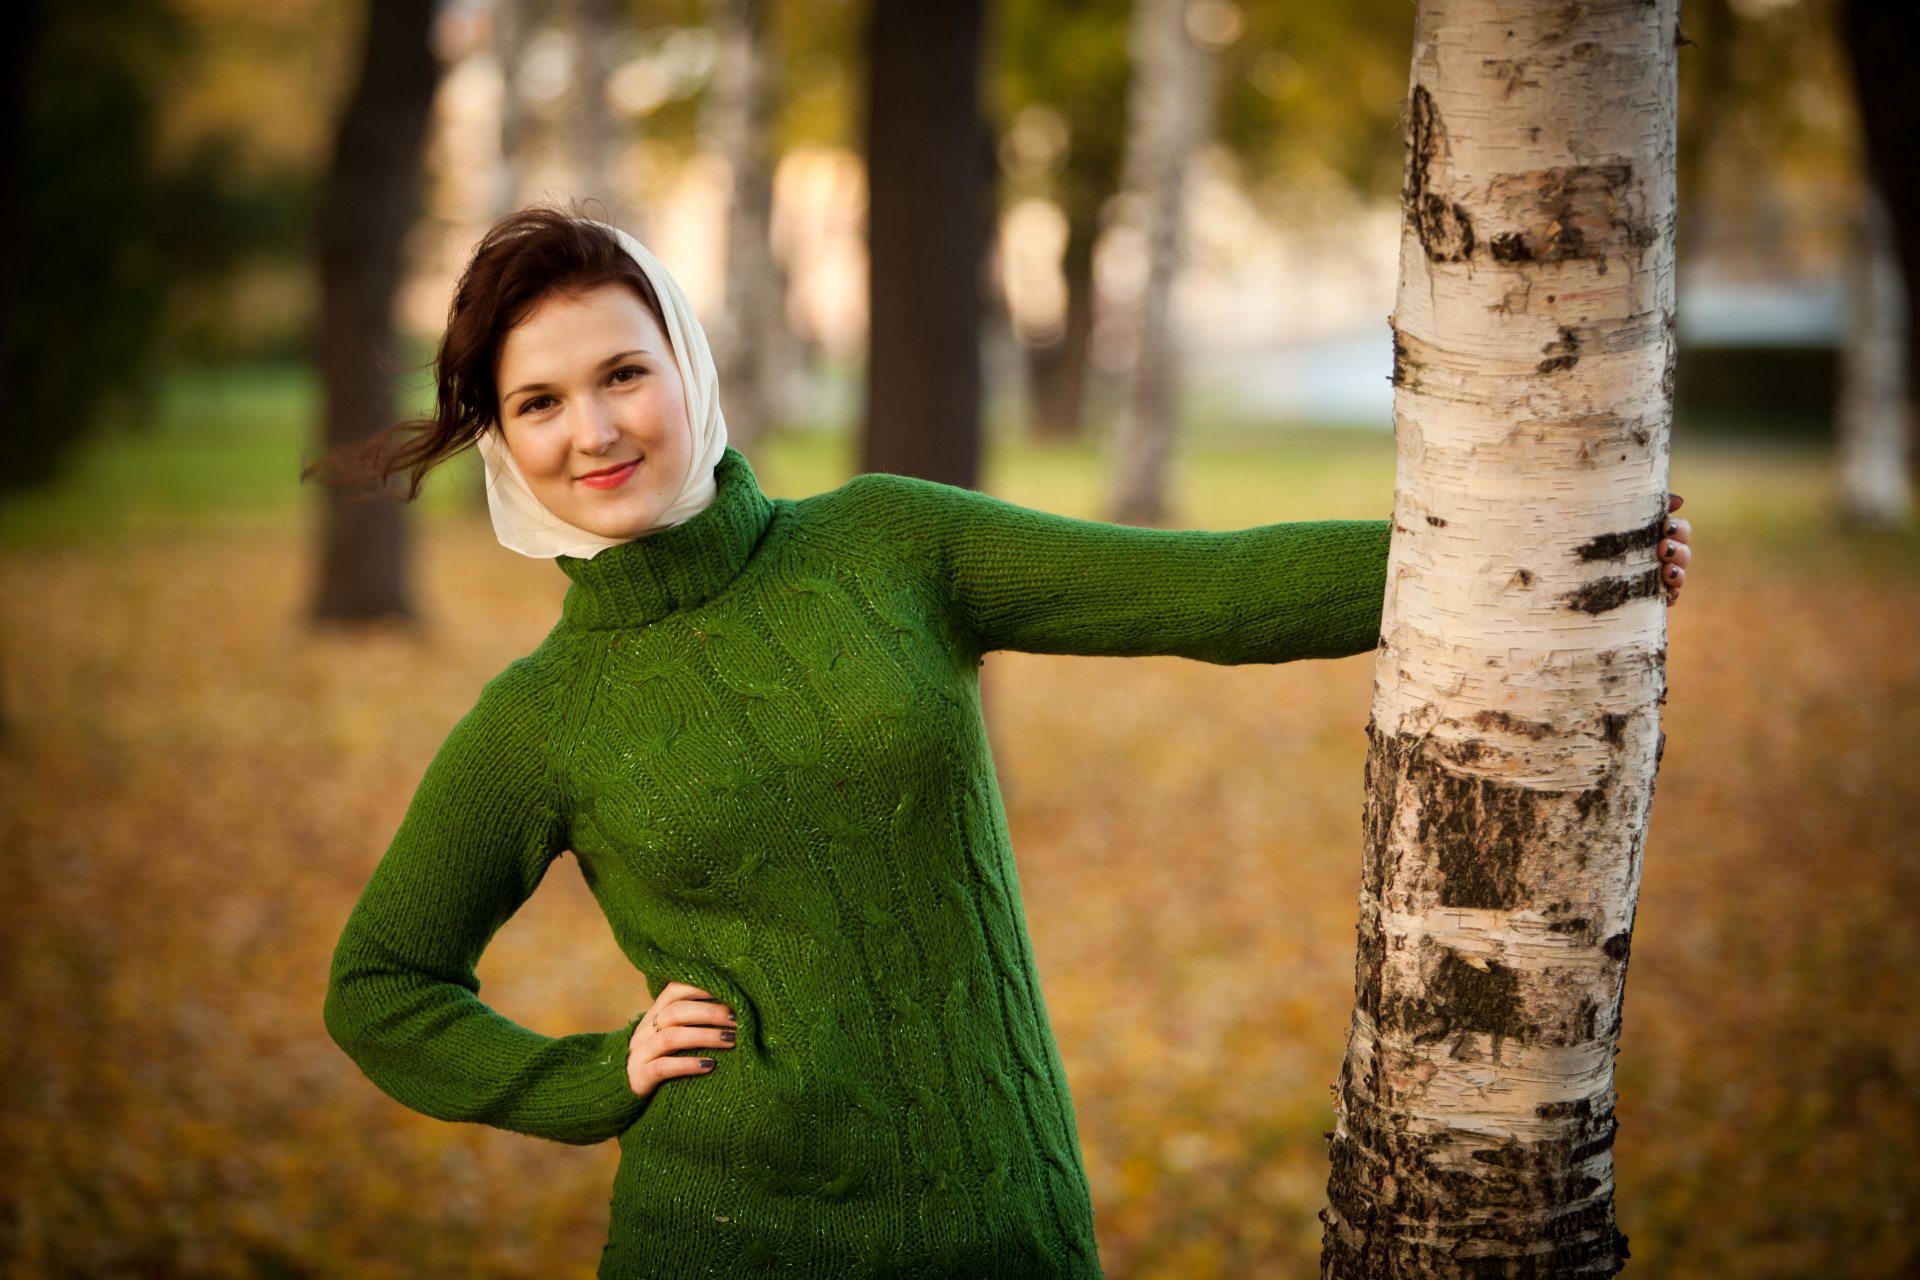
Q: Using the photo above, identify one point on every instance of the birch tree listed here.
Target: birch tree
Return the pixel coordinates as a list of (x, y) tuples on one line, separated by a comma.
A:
[(1516, 714), (1166, 120)]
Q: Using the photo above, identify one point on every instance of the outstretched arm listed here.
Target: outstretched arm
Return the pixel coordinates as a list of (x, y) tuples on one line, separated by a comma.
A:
[(1027, 580), (403, 999)]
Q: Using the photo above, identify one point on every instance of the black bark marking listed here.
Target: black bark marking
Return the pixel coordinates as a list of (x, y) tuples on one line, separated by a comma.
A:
[(1524, 577), (1436, 522), (1576, 211), (1403, 368), (1562, 353), (1609, 594), (1510, 246), (1617, 546), (1507, 722), (1613, 726), (1618, 947), (1444, 226), (1459, 998)]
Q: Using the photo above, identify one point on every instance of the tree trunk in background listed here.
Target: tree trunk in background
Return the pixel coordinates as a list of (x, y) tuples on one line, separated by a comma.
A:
[(929, 176), (590, 129), (1516, 714), (509, 46), (372, 193), (1874, 413), (752, 326), (1057, 374), (1166, 111), (1877, 41)]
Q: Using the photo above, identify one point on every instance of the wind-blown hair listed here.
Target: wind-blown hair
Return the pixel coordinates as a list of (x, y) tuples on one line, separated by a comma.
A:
[(525, 258)]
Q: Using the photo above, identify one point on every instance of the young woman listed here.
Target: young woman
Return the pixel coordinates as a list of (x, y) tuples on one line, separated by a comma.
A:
[(757, 726)]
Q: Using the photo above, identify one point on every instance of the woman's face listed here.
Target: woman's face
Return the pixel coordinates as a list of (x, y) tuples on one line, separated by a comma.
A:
[(592, 408)]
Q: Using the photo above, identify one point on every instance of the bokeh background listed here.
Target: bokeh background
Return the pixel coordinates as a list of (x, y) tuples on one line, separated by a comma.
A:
[(199, 768)]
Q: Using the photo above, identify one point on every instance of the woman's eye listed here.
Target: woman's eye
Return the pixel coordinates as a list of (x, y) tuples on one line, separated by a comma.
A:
[(627, 373), (535, 405)]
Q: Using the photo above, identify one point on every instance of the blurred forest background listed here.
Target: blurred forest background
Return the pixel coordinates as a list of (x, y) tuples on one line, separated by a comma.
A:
[(1133, 262)]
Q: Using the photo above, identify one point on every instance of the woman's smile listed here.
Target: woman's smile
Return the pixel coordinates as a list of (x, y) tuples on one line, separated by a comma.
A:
[(610, 477)]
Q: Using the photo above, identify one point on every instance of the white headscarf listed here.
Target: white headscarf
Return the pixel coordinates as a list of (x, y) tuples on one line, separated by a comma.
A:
[(524, 525)]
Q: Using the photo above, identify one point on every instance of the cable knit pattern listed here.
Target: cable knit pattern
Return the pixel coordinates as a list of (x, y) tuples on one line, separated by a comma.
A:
[(759, 732)]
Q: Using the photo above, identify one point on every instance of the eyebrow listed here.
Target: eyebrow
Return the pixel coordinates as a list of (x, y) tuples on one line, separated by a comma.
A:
[(608, 363)]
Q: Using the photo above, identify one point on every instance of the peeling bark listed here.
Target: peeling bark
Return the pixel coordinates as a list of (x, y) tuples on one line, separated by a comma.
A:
[(1516, 719)]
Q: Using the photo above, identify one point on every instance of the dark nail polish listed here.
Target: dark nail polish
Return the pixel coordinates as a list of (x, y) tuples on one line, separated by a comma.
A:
[(728, 1036), (707, 1064)]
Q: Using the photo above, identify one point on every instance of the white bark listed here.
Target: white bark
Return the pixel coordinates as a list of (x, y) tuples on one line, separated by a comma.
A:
[(749, 337), (1167, 117), (1873, 419), (1516, 712)]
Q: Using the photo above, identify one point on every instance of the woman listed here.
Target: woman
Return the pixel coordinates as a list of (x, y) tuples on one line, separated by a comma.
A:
[(757, 726)]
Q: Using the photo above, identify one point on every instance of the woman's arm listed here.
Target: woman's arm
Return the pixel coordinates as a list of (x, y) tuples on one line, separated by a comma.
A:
[(1027, 580), (403, 999)]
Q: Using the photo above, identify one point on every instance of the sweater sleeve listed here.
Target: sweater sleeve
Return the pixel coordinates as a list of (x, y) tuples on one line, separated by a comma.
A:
[(1027, 580), (402, 996)]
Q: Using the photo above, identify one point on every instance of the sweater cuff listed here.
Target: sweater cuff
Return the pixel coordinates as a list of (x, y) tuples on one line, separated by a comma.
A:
[(613, 1096)]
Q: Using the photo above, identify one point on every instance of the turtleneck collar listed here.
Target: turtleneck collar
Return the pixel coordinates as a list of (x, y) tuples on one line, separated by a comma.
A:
[(643, 581)]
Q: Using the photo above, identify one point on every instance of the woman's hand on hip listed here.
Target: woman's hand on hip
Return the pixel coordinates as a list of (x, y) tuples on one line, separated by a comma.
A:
[(681, 1017)]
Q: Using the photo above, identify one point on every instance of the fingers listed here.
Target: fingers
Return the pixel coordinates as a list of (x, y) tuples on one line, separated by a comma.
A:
[(1674, 552), (681, 1018), (644, 1077), (691, 1013), (1675, 502)]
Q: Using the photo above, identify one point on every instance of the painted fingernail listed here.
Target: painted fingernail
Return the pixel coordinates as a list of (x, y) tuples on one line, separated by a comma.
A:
[(708, 1064), (1673, 573), (728, 1036)]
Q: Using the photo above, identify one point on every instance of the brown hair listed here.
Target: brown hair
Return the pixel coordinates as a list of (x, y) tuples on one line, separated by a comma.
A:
[(522, 260)]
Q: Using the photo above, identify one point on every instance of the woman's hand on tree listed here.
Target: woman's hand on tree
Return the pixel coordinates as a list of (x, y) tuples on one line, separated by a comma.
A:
[(1675, 554), (681, 1017)]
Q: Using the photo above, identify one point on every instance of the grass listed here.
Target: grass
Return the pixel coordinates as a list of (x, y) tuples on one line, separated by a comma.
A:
[(195, 785)]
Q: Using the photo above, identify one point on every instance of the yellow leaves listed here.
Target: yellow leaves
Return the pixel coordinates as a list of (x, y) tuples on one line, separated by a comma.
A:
[(196, 787)]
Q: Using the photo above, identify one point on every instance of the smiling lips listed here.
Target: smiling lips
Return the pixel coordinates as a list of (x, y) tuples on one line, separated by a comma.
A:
[(609, 477)]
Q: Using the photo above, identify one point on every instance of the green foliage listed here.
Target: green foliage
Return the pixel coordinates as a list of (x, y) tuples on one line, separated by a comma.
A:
[(1312, 91), (88, 295), (136, 236)]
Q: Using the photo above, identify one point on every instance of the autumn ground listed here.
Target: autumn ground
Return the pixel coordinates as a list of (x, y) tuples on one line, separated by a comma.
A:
[(195, 786)]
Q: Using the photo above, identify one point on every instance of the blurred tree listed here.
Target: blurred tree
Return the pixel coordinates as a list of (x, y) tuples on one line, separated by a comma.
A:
[(929, 171), (1888, 95), (1516, 714), (739, 106), (593, 137), (371, 198), (1169, 115), (85, 280), (1062, 80), (1873, 421)]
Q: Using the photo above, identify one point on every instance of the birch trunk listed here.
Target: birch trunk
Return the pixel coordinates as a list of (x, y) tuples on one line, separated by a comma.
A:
[(1874, 414), (740, 117), (1165, 122), (1516, 714)]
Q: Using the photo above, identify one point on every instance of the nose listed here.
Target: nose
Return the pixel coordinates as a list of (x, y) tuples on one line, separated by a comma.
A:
[(593, 429)]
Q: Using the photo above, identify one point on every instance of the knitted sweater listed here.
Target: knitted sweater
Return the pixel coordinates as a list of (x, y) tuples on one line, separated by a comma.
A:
[(759, 733)]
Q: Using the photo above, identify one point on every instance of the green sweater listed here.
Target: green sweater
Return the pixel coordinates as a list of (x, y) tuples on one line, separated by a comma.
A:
[(759, 733)]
